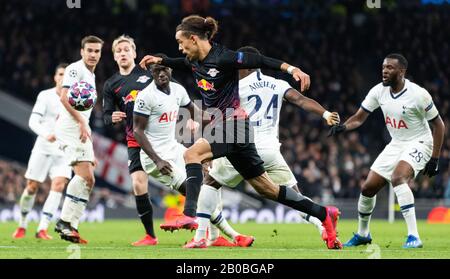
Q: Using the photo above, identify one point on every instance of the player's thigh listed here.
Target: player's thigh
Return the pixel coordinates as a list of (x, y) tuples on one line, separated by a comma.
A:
[(373, 184), (246, 160), (199, 152), (224, 173), (415, 155), (386, 161), (38, 167), (277, 168)]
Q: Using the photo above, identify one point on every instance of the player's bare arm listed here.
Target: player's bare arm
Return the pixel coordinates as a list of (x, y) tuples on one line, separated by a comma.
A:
[(84, 132), (139, 124), (296, 98)]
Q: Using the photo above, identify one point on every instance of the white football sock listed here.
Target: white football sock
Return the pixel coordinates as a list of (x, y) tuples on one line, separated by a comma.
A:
[(405, 199), (207, 202), (222, 224), (75, 188), (365, 209), (50, 207), (26, 204), (313, 220), (80, 206)]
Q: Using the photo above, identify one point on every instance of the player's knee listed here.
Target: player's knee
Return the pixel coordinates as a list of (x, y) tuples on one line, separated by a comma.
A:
[(32, 187), (398, 179), (90, 181), (209, 180), (191, 156), (367, 190), (58, 186)]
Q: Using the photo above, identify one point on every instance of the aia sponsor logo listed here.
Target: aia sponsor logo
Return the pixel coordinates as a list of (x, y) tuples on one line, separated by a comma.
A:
[(396, 124), (168, 117)]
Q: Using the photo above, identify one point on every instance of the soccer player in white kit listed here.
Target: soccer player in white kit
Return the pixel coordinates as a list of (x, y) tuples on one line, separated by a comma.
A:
[(155, 115), (407, 109), (74, 136), (46, 159), (261, 97)]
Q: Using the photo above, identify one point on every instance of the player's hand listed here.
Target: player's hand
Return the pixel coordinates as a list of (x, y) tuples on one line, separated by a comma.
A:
[(84, 133), (432, 167), (149, 60), (303, 78), (333, 119), (192, 125), (118, 116), (164, 167), (336, 129), (51, 138)]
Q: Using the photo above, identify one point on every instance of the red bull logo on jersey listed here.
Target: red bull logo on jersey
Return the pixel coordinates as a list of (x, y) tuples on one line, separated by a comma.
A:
[(168, 117), (205, 85), (395, 124), (131, 97)]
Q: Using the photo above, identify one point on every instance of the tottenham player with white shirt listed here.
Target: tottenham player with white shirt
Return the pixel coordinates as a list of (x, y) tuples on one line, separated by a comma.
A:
[(154, 121), (46, 159), (74, 136), (407, 109), (261, 97)]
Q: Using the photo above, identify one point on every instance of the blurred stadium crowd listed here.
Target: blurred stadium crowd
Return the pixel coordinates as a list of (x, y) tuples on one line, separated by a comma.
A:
[(341, 44)]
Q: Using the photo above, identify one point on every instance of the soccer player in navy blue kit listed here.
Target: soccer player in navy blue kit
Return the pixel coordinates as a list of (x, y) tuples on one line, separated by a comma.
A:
[(119, 93), (215, 69)]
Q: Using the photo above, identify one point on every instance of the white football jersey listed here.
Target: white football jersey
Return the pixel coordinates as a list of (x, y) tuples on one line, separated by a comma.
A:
[(406, 113), (162, 111), (75, 72), (42, 121), (261, 97)]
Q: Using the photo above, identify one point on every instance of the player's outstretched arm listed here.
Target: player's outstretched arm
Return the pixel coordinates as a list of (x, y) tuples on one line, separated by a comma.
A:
[(84, 131), (241, 60), (438, 127), (353, 122), (296, 98), (139, 124), (174, 63)]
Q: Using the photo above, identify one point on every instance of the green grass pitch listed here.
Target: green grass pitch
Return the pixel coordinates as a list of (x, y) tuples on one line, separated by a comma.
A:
[(112, 240)]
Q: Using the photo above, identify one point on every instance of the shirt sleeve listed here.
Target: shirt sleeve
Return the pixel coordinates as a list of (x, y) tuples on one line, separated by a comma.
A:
[(142, 105), (283, 86), (71, 75), (37, 113), (371, 103), (244, 60), (427, 106), (176, 63), (108, 104), (185, 100)]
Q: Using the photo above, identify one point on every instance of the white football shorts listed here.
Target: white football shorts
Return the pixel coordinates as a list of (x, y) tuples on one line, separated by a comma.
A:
[(416, 153), (276, 167), (175, 158), (40, 165)]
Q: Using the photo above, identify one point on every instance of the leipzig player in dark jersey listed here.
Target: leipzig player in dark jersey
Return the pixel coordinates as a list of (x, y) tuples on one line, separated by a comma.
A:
[(215, 69), (119, 94)]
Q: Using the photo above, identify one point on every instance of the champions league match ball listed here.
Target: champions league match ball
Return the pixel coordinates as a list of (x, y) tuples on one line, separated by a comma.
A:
[(82, 96)]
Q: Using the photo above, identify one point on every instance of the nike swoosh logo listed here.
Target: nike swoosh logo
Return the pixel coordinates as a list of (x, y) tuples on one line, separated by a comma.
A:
[(140, 215), (190, 178)]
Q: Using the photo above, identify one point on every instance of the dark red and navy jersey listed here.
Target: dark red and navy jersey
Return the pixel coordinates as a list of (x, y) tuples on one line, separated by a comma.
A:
[(217, 76), (120, 92)]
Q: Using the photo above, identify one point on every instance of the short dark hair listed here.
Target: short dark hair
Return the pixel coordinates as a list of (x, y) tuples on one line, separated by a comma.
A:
[(400, 58), (249, 49), (204, 27), (61, 66), (91, 39)]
